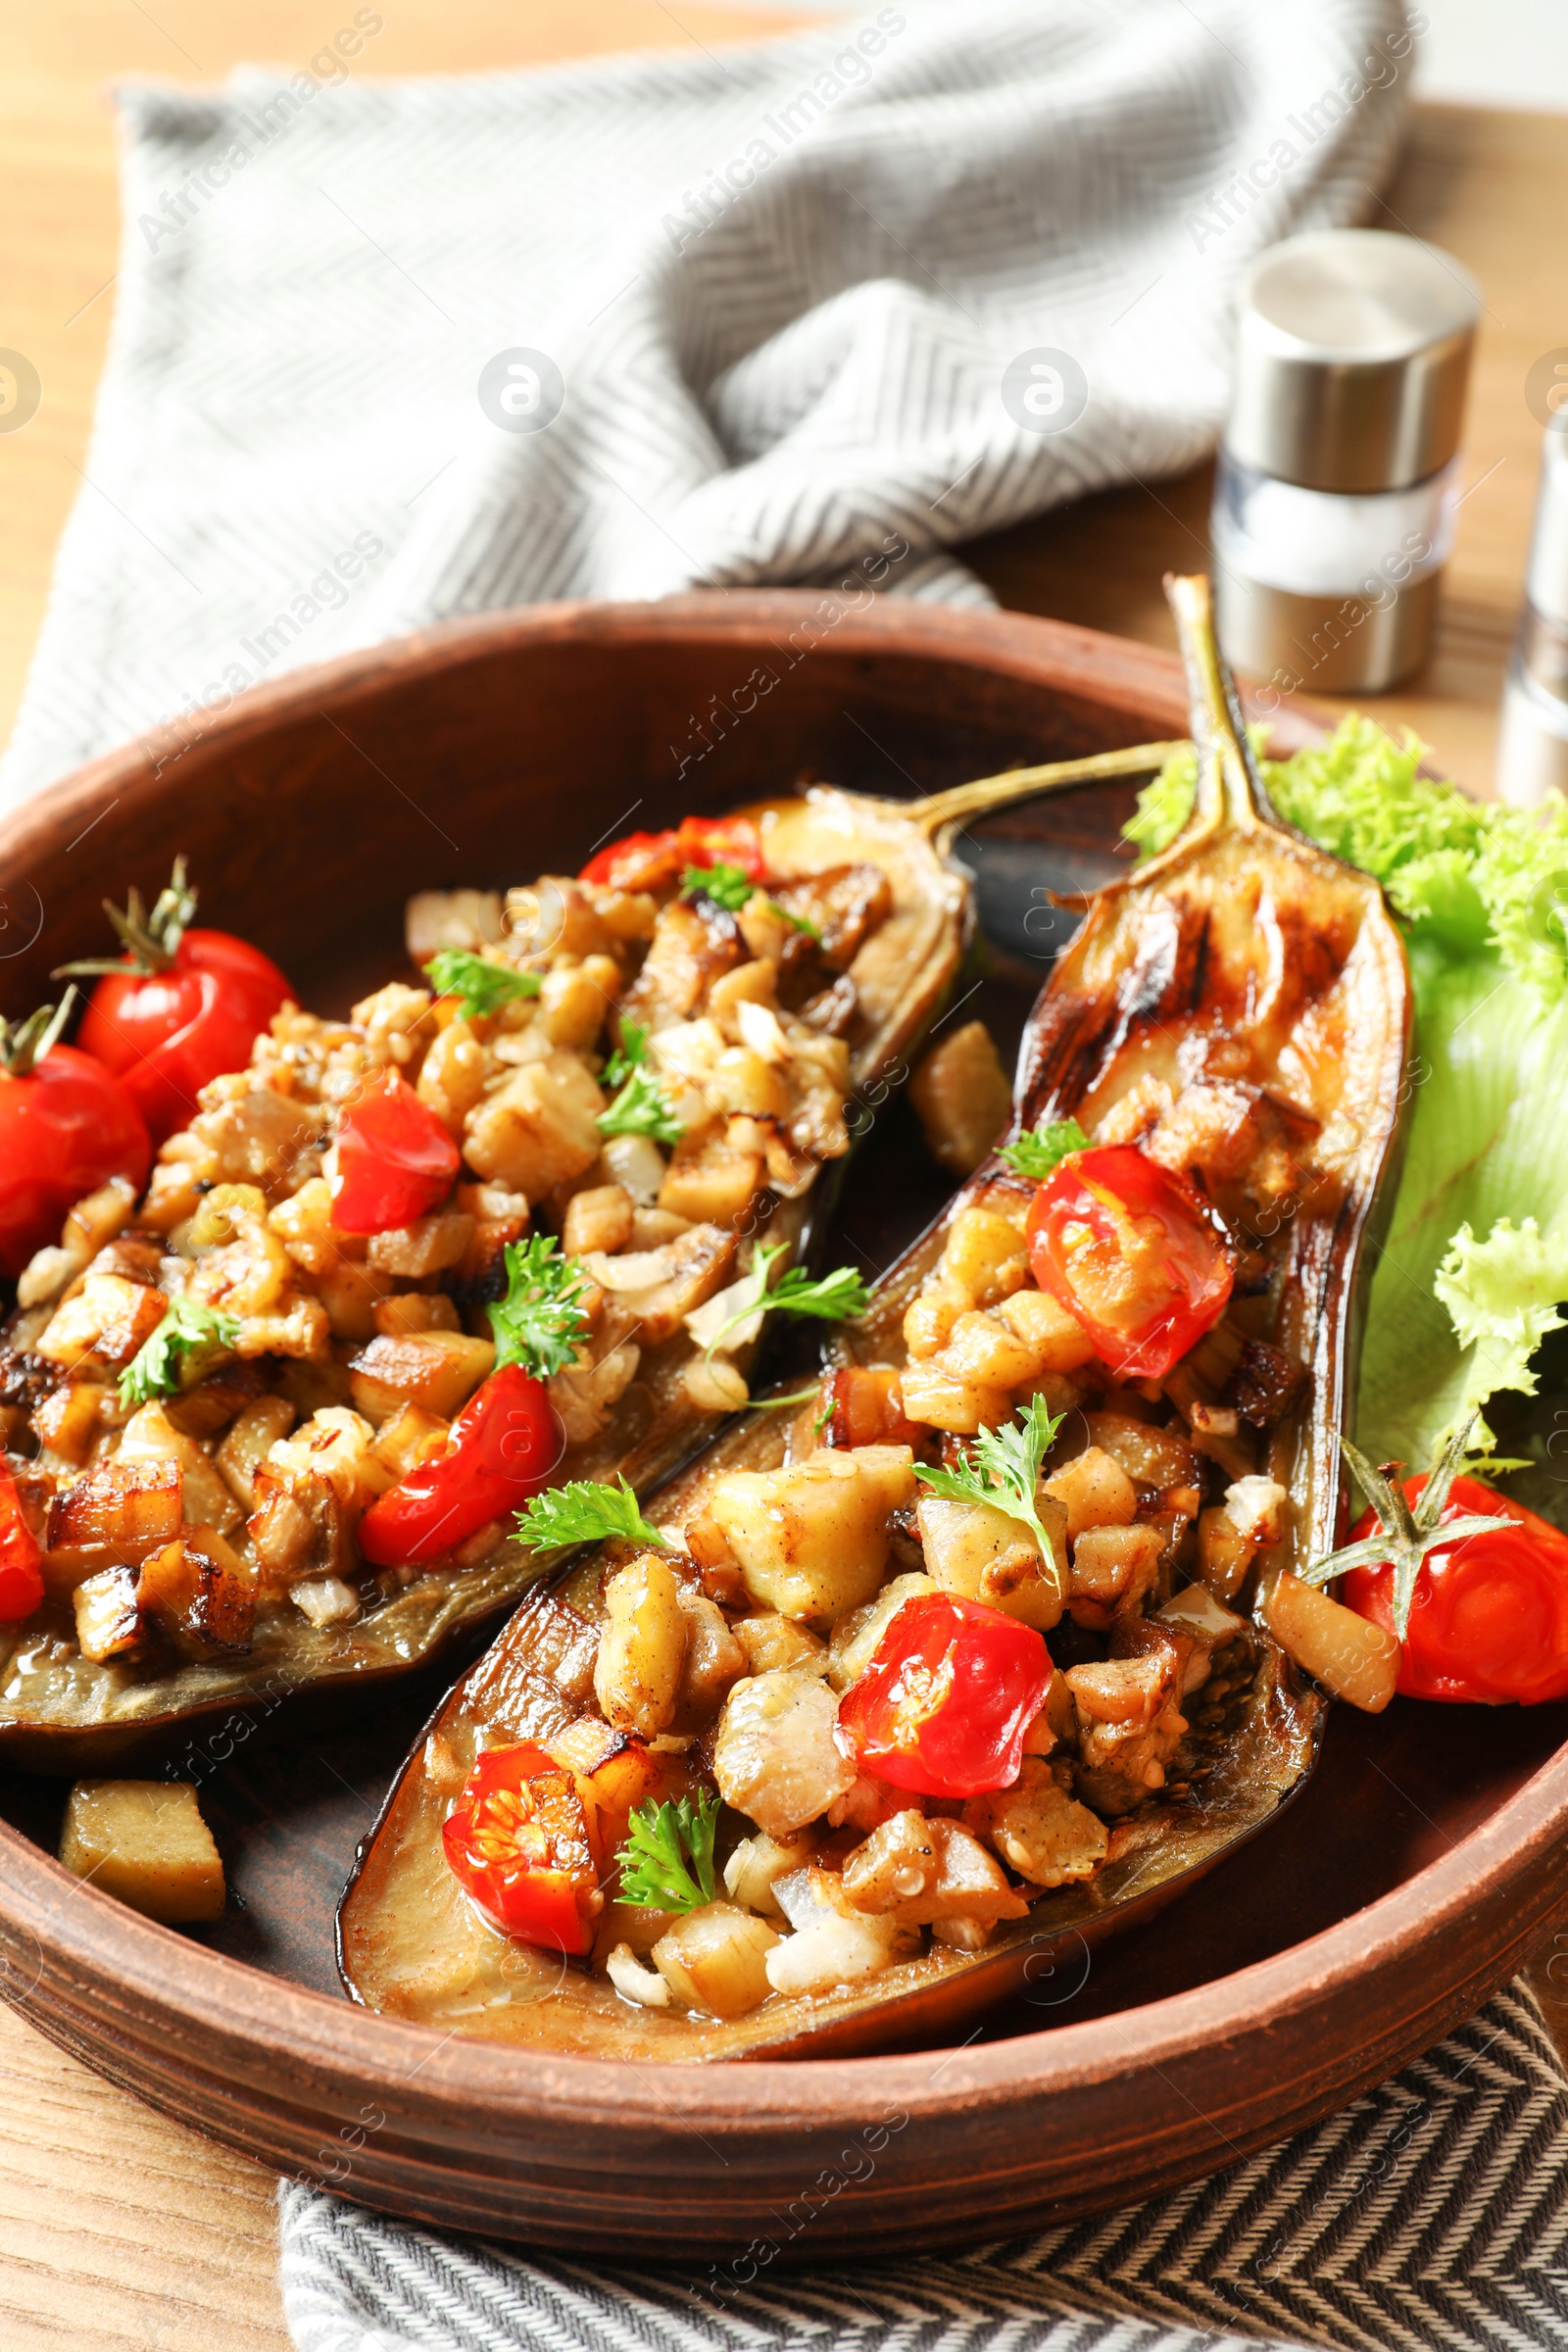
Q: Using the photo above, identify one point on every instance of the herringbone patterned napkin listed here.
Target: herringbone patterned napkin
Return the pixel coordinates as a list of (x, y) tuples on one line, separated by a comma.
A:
[(387, 352), (1430, 2217)]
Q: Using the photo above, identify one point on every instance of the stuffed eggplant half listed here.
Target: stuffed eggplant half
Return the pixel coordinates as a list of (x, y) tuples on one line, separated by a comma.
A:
[(268, 1420), (994, 1641)]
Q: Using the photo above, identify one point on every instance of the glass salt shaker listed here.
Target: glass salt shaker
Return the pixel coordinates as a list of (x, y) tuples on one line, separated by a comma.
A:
[(1335, 496), (1533, 744)]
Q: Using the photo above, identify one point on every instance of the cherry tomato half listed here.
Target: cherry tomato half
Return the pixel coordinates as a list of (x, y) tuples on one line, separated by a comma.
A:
[(944, 1702), (518, 1840), (21, 1560), (168, 1032), (1490, 1619), (395, 1160), (657, 860), (66, 1125), (500, 1450), (1132, 1251)]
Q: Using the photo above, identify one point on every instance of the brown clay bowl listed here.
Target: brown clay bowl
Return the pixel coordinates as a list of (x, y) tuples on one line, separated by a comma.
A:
[(1412, 1876)]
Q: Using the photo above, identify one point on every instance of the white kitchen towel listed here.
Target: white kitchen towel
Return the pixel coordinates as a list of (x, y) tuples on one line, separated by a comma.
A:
[(385, 351), (1429, 2216)]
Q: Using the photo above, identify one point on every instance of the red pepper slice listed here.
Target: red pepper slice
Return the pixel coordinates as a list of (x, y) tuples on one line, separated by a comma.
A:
[(1134, 1252), (657, 860), (1488, 1623), (500, 1450), (395, 1160), (944, 1704), (21, 1560), (521, 1843)]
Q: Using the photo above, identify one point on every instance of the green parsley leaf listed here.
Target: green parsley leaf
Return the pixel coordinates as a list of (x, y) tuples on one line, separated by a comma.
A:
[(161, 1364), (731, 887), (1003, 1468), (668, 1860), (1036, 1154), (540, 1318), (738, 1304), (628, 1056), (484, 987), (728, 886), (584, 1512), (839, 1298), (640, 1108)]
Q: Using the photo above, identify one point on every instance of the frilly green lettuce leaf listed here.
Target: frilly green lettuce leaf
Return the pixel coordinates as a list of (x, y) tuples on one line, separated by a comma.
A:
[(1437, 895), (1504, 1291), (1502, 1294), (1521, 876), (1485, 1157)]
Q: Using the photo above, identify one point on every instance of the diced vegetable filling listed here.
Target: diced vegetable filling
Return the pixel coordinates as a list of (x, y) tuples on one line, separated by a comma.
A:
[(397, 1269), (978, 1621)]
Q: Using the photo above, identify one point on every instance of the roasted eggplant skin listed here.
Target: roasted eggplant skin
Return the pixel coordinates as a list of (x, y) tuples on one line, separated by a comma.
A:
[(1246, 963), (1267, 946), (62, 1713)]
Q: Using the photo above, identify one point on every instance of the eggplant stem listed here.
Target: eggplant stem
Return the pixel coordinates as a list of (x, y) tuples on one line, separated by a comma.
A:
[(985, 792), (1230, 789)]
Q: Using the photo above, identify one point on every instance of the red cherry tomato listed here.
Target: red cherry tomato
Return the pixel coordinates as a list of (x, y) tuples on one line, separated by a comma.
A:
[(395, 1160), (944, 1702), (1134, 1252), (179, 1008), (21, 1570), (66, 1125), (520, 1841), (657, 860), (168, 1032), (500, 1450), (1490, 1619)]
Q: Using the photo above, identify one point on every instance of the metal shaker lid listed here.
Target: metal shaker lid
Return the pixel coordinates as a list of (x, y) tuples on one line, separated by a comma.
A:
[(1354, 349), (1548, 585)]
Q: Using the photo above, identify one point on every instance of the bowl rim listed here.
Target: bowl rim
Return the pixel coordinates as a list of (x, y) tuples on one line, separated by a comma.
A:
[(279, 2019), (1012, 644), (191, 1993)]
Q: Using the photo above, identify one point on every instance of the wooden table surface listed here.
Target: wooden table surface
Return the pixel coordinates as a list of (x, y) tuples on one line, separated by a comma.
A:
[(119, 2229)]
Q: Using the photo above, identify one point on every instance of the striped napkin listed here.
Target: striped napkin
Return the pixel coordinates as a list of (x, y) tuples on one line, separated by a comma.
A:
[(1429, 2216), (827, 306)]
